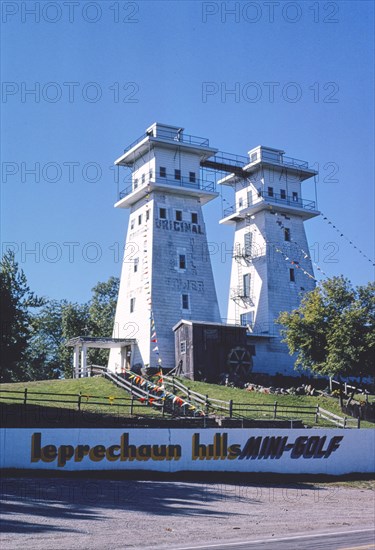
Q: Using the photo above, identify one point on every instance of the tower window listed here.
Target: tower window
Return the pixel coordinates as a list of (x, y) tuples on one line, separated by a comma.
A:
[(247, 318), (183, 346), (178, 215), (147, 215), (182, 261), (246, 285), (248, 243), (131, 224), (185, 301), (150, 174), (177, 174), (286, 234), (135, 183), (192, 177), (270, 191), (143, 178), (139, 219), (194, 217), (162, 172), (295, 196), (282, 194), (163, 213), (132, 305), (136, 263), (292, 275)]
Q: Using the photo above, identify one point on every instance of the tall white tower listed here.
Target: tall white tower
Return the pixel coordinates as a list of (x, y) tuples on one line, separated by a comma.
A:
[(271, 267), (166, 275)]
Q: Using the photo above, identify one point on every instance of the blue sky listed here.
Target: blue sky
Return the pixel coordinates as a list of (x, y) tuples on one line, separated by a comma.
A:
[(102, 72)]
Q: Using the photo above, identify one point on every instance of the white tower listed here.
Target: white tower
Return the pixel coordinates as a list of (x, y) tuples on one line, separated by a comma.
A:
[(271, 267), (166, 274)]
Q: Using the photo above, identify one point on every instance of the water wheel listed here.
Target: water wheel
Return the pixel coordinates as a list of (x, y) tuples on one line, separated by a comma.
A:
[(240, 364)]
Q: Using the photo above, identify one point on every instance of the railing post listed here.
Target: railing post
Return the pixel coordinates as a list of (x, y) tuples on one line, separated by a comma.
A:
[(330, 384), (317, 414), (131, 404), (358, 422), (275, 410), (25, 396), (188, 394), (230, 408), (173, 386), (207, 404), (345, 419), (79, 401)]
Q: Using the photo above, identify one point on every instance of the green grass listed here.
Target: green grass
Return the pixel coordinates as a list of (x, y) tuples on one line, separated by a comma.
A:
[(98, 386), (241, 396), (94, 390)]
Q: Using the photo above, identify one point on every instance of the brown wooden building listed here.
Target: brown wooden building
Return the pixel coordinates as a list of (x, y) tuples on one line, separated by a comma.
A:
[(213, 351)]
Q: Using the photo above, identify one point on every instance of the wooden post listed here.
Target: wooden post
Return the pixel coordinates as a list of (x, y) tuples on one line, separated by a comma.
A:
[(345, 419), (173, 386), (330, 384), (188, 394), (358, 422), (25, 396), (275, 410), (317, 414), (79, 401), (207, 404), (131, 405), (230, 408)]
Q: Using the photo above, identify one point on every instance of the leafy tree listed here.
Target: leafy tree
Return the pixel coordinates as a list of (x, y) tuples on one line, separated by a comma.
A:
[(17, 301), (58, 321), (102, 309), (333, 330)]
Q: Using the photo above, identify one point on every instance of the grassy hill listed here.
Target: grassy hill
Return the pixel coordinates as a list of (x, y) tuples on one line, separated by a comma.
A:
[(100, 395)]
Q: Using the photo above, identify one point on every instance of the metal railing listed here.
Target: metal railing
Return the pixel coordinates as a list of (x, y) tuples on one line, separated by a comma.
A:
[(276, 198), (198, 184), (171, 135)]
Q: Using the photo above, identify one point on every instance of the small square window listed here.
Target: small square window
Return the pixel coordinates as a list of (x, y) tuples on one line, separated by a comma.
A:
[(183, 347), (135, 184), (136, 263), (185, 301), (270, 191), (178, 215), (163, 172), (182, 261), (295, 196), (286, 234), (150, 174), (282, 194), (147, 215), (194, 217), (139, 219), (292, 276), (132, 224), (163, 213), (177, 174), (143, 178), (132, 305), (192, 177)]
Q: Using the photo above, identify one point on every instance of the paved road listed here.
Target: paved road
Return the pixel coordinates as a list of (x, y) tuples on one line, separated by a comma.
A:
[(348, 540), (117, 514)]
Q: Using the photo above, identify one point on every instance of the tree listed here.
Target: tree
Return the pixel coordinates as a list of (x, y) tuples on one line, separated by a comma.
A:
[(333, 330), (102, 309), (17, 302), (58, 321)]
